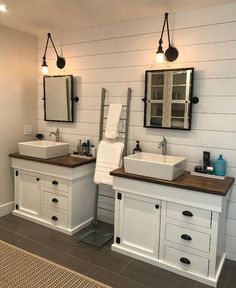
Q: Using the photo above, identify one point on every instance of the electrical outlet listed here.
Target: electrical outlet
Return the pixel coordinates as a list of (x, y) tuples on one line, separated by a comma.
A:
[(28, 130)]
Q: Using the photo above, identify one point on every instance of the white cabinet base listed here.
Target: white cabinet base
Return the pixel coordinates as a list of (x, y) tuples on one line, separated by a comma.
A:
[(205, 280), (191, 228), (55, 227), (61, 198)]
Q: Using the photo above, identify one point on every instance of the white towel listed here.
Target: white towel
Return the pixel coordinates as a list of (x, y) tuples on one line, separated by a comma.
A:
[(113, 117), (108, 158)]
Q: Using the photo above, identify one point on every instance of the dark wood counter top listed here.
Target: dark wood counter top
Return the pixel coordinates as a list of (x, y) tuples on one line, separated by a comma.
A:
[(65, 161), (185, 181)]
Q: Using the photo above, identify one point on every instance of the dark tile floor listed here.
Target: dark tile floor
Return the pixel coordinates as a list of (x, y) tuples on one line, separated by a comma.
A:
[(103, 265)]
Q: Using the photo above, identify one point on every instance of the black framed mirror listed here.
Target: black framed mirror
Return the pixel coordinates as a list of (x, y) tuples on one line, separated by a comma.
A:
[(58, 98), (168, 98)]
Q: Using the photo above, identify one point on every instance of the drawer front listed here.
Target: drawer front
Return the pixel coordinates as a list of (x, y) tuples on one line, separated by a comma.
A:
[(55, 184), (55, 218), (186, 261), (187, 214), (188, 237), (54, 201)]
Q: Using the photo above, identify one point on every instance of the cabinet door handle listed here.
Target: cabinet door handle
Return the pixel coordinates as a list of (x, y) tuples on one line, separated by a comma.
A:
[(185, 260), (187, 213), (55, 200), (37, 179), (186, 237), (157, 206), (54, 182), (54, 218)]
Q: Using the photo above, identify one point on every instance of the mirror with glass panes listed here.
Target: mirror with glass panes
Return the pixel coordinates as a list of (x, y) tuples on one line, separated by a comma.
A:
[(168, 95)]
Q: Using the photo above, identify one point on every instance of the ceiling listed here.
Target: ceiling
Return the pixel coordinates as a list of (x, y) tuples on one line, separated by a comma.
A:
[(40, 16)]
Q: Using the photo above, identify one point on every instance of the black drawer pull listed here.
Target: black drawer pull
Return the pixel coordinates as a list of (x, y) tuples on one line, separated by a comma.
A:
[(55, 200), (184, 260), (54, 182), (187, 213), (186, 237), (157, 206), (54, 218), (37, 179)]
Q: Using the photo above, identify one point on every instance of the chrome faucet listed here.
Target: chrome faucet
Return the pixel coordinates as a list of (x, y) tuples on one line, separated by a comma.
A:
[(163, 146), (57, 134)]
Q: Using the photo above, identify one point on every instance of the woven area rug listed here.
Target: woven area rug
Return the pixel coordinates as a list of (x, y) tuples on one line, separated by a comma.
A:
[(22, 269)]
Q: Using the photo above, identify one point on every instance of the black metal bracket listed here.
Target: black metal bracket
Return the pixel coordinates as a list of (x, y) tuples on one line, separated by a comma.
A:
[(194, 100), (118, 240), (76, 99)]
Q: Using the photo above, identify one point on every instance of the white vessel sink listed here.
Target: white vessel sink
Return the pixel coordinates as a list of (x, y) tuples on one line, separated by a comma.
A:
[(164, 167), (43, 149)]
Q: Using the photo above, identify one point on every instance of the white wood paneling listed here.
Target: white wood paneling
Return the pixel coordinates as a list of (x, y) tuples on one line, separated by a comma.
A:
[(115, 57)]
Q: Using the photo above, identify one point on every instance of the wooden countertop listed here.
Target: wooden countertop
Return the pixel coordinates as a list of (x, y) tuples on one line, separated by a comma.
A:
[(185, 181), (65, 161)]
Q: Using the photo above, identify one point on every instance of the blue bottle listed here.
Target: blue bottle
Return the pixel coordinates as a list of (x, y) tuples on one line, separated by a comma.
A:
[(220, 166)]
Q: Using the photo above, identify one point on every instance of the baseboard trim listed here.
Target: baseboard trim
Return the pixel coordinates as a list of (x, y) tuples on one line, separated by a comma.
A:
[(231, 256), (6, 209)]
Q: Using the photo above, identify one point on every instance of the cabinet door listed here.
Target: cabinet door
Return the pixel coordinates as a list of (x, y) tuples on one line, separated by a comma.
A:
[(138, 227), (27, 194)]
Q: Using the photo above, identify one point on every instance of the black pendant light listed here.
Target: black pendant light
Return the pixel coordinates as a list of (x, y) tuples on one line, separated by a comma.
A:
[(61, 62), (171, 54)]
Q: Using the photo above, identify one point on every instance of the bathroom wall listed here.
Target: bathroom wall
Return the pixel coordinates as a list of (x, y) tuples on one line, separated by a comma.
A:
[(115, 57), (18, 101)]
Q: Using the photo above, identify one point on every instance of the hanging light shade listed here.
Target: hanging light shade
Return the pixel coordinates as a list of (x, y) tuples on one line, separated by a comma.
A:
[(171, 54), (61, 62)]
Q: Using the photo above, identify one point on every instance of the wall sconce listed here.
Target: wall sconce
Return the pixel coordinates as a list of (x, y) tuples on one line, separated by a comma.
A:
[(61, 62), (171, 54)]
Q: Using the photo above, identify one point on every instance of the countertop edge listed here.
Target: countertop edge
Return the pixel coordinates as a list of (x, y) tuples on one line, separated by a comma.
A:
[(121, 173), (57, 161)]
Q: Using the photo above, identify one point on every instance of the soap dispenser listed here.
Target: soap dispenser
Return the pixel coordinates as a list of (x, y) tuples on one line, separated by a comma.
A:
[(220, 166), (137, 149)]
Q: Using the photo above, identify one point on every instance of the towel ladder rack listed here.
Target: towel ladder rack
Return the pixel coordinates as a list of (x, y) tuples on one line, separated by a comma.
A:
[(100, 239)]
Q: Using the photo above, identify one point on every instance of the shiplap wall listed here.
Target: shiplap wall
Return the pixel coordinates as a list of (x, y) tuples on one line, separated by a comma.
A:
[(115, 57)]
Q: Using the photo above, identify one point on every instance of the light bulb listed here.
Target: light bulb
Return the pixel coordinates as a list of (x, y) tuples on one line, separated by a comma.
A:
[(3, 8), (45, 69), (160, 57)]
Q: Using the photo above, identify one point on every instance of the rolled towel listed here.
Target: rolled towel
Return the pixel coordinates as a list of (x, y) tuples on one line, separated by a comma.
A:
[(113, 117), (108, 158)]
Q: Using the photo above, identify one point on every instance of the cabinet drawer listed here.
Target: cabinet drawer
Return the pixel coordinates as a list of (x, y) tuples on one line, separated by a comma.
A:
[(186, 261), (54, 201), (55, 184), (187, 214), (55, 218), (188, 237)]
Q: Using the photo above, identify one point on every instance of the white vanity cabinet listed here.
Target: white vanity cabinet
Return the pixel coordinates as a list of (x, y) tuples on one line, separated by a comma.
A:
[(179, 228), (56, 196)]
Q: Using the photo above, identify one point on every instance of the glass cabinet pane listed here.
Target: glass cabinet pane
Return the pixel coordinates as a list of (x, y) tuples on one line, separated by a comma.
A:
[(177, 110), (177, 122), (156, 109), (158, 79), (178, 92), (157, 93), (179, 78), (156, 121)]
